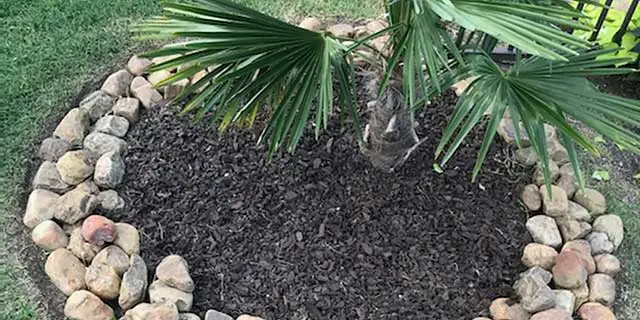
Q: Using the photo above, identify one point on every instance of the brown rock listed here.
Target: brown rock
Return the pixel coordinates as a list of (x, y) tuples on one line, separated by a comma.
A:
[(134, 283), (569, 271), (526, 156), (128, 238), (98, 230), (38, 207), (48, 178), (75, 166), (65, 271), (531, 197), (77, 203), (73, 127), (49, 236), (607, 264), (552, 314), (555, 204), (582, 248), (52, 148), (568, 184), (507, 309), (117, 84), (540, 255), (114, 257), (127, 108), (85, 251), (572, 229), (174, 272), (376, 25), (578, 212), (311, 23), (341, 30), (591, 199), (602, 289), (103, 280), (84, 305), (595, 311), (557, 152), (137, 66)]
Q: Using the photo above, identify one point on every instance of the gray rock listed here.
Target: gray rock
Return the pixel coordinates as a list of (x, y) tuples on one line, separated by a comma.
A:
[(188, 316), (568, 184), (113, 125), (75, 166), (144, 91), (100, 143), (110, 202), (602, 289), (114, 257), (174, 272), (160, 292), (565, 300), (216, 315), (572, 229), (531, 197), (73, 127), (97, 104), (48, 178), (526, 156), (117, 83), (39, 207), (535, 295), (77, 203), (544, 230), (543, 274), (109, 170), (127, 108), (557, 152), (578, 212), (51, 149), (591, 199), (599, 243), (611, 225), (134, 283), (538, 174)]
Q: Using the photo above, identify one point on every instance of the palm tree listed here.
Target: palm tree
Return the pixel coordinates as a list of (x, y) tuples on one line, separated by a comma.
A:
[(256, 61)]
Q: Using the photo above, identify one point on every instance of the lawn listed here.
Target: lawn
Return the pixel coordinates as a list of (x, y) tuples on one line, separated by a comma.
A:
[(49, 48)]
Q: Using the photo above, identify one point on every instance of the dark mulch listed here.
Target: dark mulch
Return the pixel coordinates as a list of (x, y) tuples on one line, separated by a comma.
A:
[(321, 234)]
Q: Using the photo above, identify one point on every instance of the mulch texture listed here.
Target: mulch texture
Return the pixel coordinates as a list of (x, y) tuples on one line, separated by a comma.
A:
[(321, 234)]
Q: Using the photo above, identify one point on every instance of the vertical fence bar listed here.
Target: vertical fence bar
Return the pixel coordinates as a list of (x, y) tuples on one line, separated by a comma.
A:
[(617, 38), (603, 15), (579, 7)]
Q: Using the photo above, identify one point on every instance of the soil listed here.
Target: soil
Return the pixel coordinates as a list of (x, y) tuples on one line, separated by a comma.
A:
[(321, 234)]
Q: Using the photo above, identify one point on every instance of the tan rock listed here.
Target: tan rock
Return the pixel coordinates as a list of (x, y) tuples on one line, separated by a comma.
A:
[(84, 305), (341, 30), (591, 199), (103, 280), (82, 249), (557, 152), (144, 91), (569, 271), (73, 127), (117, 84), (198, 76), (581, 294), (146, 311), (539, 255), (128, 238), (158, 60), (611, 225), (578, 212), (572, 229), (49, 236), (607, 264), (160, 292), (173, 90), (134, 283), (114, 257), (77, 203), (595, 311), (155, 77), (75, 166), (555, 204), (552, 314), (535, 295), (568, 184), (48, 178), (39, 207), (526, 156), (538, 174), (65, 271), (531, 197), (127, 108), (602, 289), (138, 66), (174, 272), (507, 309), (311, 23), (376, 25)]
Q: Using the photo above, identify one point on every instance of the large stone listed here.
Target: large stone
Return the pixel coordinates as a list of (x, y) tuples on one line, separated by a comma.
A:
[(565, 300), (144, 91), (507, 131), (39, 207), (52, 148), (556, 203), (535, 294), (160, 292), (110, 202), (159, 60), (581, 294), (376, 25), (77, 203), (602, 289), (569, 271), (97, 230), (542, 274), (578, 212), (113, 125), (600, 243), (540, 255), (156, 77), (174, 272), (572, 229), (557, 152), (595, 311), (607, 264), (341, 30), (75, 166), (65, 271), (109, 170), (47, 177), (137, 66), (134, 283), (128, 238), (84, 305), (100, 143), (103, 280), (82, 249), (158, 311), (526, 156), (552, 314), (114, 257), (503, 308), (216, 315), (173, 90), (591, 199), (611, 225), (127, 108), (97, 104), (73, 127), (544, 230), (531, 197), (583, 249), (568, 184), (117, 84), (311, 23), (49, 236)]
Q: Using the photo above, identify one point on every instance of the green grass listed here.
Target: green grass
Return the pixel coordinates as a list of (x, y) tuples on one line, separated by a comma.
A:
[(49, 48)]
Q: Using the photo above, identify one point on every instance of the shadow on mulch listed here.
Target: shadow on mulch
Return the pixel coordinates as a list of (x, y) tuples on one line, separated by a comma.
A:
[(320, 234)]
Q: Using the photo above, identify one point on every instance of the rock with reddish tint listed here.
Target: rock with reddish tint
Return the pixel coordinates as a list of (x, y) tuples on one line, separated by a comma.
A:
[(578, 212), (97, 104), (568, 184), (531, 197), (569, 271), (595, 311), (552, 314), (556, 203), (77, 203), (98, 230), (65, 271), (174, 272), (611, 225), (599, 243), (538, 174), (134, 283), (156, 311), (113, 125), (572, 229), (565, 300), (341, 30), (117, 84), (160, 292), (137, 66), (526, 156), (73, 127), (39, 207), (128, 238), (84, 305), (100, 143), (592, 200), (543, 230), (49, 236), (311, 23), (52, 148), (114, 257), (584, 250), (48, 178), (109, 170), (376, 25), (602, 289), (607, 264), (540, 255), (103, 280), (144, 91), (535, 295), (127, 108), (75, 166), (82, 249)]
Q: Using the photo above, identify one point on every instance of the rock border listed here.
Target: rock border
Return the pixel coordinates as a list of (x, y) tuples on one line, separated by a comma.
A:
[(93, 259)]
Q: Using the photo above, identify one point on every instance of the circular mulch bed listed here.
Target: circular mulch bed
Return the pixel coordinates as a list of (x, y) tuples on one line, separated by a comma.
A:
[(321, 234)]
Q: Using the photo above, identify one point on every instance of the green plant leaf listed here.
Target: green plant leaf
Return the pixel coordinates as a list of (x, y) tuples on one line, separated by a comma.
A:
[(601, 175)]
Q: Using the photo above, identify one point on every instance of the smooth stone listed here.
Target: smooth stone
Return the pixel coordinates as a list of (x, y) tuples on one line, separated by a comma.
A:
[(538, 174), (565, 300), (158, 311), (526, 156), (160, 292), (114, 257), (555, 204), (376, 25), (97, 230), (591, 199), (607, 264), (552, 314), (583, 249), (75, 166), (103, 281), (595, 311), (65, 271), (49, 236), (216, 315), (600, 243), (540, 255), (156, 77), (117, 83), (39, 207), (137, 66), (578, 212), (84, 305), (568, 184), (52, 148), (602, 289), (531, 197), (144, 91), (538, 272), (569, 271), (311, 23), (173, 90), (557, 152), (73, 127), (109, 201), (611, 225), (97, 104), (544, 230), (572, 229), (134, 283), (77, 203), (127, 108), (113, 125), (100, 143), (48, 178), (173, 271), (504, 308), (128, 238), (341, 30), (109, 170), (158, 60), (82, 249)]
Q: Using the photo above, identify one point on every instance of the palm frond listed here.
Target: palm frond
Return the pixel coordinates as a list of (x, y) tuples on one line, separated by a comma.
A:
[(252, 59)]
